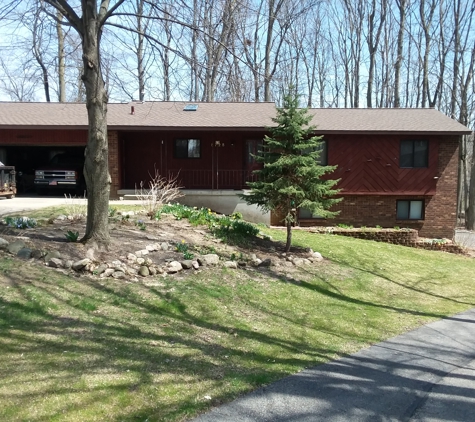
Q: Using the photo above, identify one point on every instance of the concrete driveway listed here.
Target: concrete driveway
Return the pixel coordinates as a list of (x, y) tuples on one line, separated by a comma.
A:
[(32, 202), (27, 203)]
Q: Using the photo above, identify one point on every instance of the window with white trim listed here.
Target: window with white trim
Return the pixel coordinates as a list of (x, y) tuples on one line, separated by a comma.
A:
[(410, 210)]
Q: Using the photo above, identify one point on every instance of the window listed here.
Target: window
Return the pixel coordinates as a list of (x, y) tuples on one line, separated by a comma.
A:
[(187, 148), (304, 213), (414, 154), (410, 210), (323, 158)]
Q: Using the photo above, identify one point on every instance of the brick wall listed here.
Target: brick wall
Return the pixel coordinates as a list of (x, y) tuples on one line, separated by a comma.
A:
[(113, 138), (371, 210), (407, 237), (441, 211)]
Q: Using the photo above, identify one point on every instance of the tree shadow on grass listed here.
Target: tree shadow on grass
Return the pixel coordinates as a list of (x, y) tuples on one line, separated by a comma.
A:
[(67, 344)]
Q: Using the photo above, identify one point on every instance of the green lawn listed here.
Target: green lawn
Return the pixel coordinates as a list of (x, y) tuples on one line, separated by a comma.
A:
[(76, 349)]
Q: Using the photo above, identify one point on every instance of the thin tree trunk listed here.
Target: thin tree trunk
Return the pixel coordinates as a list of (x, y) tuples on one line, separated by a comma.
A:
[(373, 43), (289, 236), (37, 53), (139, 52), (400, 46), (61, 60), (470, 212)]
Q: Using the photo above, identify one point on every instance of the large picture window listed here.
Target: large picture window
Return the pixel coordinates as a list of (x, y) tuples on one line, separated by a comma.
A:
[(187, 148), (410, 210), (414, 154)]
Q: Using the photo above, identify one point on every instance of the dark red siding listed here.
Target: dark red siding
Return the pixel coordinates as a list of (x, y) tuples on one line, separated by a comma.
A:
[(369, 165), (19, 137), (220, 166)]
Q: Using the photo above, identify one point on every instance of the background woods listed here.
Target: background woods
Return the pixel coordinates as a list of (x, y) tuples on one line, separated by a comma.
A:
[(339, 53)]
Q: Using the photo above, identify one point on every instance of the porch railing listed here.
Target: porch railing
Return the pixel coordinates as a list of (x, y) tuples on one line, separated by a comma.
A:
[(208, 179)]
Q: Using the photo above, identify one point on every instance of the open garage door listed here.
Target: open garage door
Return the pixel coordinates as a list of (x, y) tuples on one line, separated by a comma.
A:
[(27, 159)]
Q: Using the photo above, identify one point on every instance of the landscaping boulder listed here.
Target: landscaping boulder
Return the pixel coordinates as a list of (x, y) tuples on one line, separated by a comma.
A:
[(266, 263), (230, 264), (317, 256), (101, 268), (24, 253), (16, 246), (209, 259), (55, 263), (187, 264), (52, 254), (81, 264), (107, 273), (144, 271), (3, 244), (37, 254), (174, 267), (141, 253)]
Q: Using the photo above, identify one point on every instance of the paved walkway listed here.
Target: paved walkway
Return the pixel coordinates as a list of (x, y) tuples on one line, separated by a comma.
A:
[(425, 375)]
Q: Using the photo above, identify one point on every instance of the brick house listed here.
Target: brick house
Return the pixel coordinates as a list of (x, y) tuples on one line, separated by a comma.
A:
[(397, 167)]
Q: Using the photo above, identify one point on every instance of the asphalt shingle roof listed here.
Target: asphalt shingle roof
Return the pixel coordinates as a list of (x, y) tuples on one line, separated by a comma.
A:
[(163, 115), (374, 120)]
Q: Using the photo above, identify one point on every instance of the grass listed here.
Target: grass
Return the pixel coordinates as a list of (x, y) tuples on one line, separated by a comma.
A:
[(94, 350)]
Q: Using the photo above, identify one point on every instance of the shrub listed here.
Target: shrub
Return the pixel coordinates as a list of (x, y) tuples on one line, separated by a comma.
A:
[(161, 191), (20, 222)]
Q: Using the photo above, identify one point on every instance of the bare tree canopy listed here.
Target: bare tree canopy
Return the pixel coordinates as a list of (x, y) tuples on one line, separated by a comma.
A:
[(338, 53)]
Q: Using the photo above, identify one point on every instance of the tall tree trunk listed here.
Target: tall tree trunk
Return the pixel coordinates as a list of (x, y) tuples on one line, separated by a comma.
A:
[(470, 210), (426, 22), (96, 166), (37, 52), (61, 60), (400, 46), (139, 52), (373, 43)]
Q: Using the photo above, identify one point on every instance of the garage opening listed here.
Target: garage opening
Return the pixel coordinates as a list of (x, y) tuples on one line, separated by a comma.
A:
[(27, 159)]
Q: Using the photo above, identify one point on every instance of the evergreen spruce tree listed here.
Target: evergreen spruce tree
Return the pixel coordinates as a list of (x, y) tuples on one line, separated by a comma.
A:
[(291, 175)]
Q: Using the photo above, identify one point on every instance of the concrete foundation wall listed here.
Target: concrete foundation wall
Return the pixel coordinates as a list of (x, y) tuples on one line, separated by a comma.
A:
[(221, 201)]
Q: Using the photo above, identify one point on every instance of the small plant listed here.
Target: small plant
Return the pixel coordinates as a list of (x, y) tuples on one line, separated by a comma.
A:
[(182, 247), (112, 211), (236, 216), (141, 225), (72, 236), (378, 227), (20, 222), (188, 255), (397, 228), (344, 226)]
